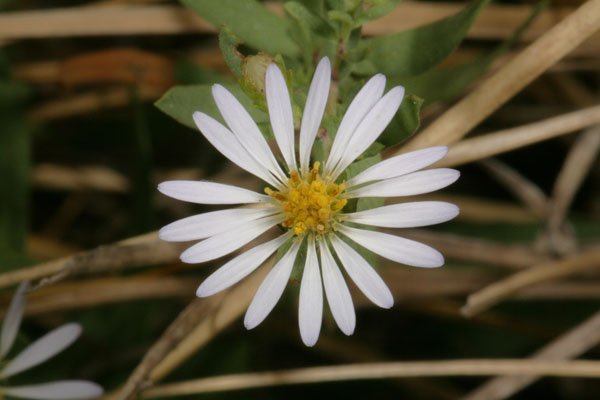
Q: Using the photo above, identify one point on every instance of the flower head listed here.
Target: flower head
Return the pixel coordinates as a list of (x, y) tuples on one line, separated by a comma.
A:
[(36, 353), (308, 202)]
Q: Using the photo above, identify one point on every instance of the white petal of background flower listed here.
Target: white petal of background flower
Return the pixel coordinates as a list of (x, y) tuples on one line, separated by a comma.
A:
[(245, 130), (210, 193), (225, 141), (280, 113), (370, 128), (398, 249), (310, 312), (336, 290), (407, 185), (212, 223), (399, 165), (316, 101), (42, 349), (363, 275), (224, 243), (271, 288), (363, 102), (239, 267), (12, 321), (406, 215), (59, 390)]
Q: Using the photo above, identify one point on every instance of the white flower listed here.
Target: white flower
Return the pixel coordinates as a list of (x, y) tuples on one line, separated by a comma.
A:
[(307, 202), (36, 353)]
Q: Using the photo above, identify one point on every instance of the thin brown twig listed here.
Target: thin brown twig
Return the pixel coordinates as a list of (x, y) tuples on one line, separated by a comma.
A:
[(476, 209), (511, 78), (498, 291), (90, 293), (583, 369), (558, 238), (572, 344), (133, 252), (186, 321), (576, 166), (233, 305), (491, 144), (525, 190), (406, 284), (91, 101), (476, 250), (41, 247), (93, 177)]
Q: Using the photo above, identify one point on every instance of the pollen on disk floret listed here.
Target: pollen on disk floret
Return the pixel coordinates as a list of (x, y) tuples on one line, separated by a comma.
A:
[(310, 202)]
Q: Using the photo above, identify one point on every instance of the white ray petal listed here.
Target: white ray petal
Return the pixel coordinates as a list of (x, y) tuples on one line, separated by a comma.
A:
[(224, 243), (406, 215), (12, 321), (245, 130), (336, 290), (407, 185), (239, 267), (363, 102), (398, 249), (212, 223), (313, 110), (59, 390), (370, 128), (225, 141), (400, 165), (42, 349), (310, 312), (271, 288), (363, 275), (202, 192), (280, 113)]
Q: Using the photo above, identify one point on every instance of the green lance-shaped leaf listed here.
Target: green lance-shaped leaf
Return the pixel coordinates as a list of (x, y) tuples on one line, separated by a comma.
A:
[(180, 103), (405, 122), (249, 20), (314, 22), (189, 73), (417, 50), (229, 43), (446, 83), (376, 11)]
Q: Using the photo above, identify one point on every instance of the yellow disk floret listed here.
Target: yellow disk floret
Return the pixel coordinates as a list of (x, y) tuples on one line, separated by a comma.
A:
[(309, 202)]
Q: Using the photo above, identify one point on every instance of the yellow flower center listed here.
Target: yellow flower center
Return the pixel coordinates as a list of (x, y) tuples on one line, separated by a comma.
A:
[(309, 202)]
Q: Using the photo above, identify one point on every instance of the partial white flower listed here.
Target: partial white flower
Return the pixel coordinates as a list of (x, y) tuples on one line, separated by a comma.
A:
[(308, 202), (36, 353)]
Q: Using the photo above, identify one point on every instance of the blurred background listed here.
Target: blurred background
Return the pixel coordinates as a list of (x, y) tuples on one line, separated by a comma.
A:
[(82, 148)]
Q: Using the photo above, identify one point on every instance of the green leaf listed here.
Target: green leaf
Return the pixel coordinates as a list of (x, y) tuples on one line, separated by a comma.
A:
[(359, 166), (229, 43), (405, 123), (341, 16), (180, 103), (249, 20), (189, 73), (446, 83), (376, 11), (314, 22), (417, 50)]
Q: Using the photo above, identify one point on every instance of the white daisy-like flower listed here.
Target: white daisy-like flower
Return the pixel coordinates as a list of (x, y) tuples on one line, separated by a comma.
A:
[(36, 353), (308, 202)]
